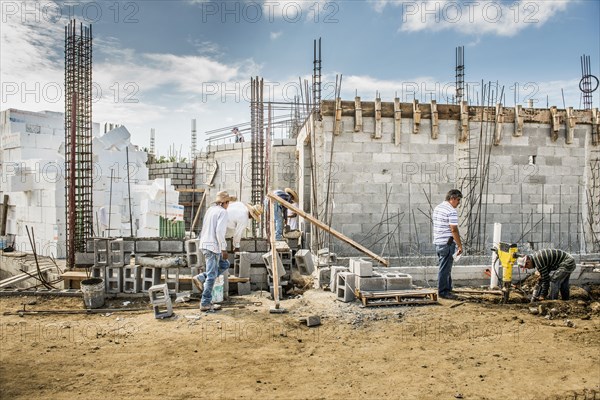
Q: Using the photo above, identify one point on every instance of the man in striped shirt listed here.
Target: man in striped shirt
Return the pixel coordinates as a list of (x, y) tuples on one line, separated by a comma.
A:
[(446, 239), (547, 261)]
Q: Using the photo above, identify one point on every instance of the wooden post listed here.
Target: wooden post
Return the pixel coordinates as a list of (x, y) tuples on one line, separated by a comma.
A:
[(358, 122), (499, 124), (274, 265), (435, 122), (397, 121), (570, 126), (416, 116), (328, 229), (464, 121), (518, 121), (4, 216), (338, 116), (378, 127), (554, 122)]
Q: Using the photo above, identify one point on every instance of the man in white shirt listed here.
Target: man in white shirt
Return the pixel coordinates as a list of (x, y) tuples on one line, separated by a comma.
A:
[(239, 215), (214, 248)]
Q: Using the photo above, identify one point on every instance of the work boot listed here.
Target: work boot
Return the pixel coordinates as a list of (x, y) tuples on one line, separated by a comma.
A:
[(198, 283), (210, 307)]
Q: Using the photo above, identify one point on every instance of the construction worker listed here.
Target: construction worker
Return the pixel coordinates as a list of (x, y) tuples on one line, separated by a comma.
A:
[(446, 239), (239, 138), (239, 216), (547, 261), (214, 248), (288, 195)]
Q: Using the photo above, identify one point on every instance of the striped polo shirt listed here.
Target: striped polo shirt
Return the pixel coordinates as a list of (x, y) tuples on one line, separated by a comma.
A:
[(444, 215), (548, 260)]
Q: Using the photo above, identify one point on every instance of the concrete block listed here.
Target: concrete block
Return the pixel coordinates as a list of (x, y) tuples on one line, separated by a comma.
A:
[(97, 272), (345, 285), (171, 246), (305, 262), (333, 280), (323, 276), (243, 288), (247, 261), (171, 279), (113, 279), (262, 245), (129, 246), (248, 245), (313, 320), (361, 267), (371, 284), (271, 291), (268, 262), (101, 252), (192, 246), (150, 277), (84, 259), (147, 246), (132, 279), (161, 301), (398, 281)]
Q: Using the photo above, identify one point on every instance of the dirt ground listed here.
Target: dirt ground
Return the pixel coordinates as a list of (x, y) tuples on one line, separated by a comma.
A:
[(470, 349)]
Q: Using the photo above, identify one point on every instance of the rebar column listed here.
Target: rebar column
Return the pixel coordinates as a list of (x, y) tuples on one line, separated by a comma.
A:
[(78, 138)]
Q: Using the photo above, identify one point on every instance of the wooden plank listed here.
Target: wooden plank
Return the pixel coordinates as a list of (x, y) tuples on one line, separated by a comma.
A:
[(328, 229), (189, 190), (198, 212)]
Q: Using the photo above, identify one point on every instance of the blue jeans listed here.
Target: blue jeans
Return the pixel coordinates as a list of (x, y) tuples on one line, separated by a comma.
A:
[(215, 266), (278, 209), (278, 221), (445, 253)]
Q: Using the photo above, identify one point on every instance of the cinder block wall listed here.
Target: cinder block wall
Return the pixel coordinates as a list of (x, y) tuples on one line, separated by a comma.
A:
[(181, 175), (383, 194)]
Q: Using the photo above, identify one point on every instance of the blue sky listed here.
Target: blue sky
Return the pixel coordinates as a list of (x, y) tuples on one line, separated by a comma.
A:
[(158, 64)]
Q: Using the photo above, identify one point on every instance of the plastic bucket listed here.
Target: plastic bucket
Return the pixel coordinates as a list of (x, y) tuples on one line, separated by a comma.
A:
[(93, 292), (217, 292)]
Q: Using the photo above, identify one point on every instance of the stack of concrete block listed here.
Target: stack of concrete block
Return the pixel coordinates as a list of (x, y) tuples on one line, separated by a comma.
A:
[(346, 283), (194, 256), (366, 279), (161, 301), (304, 262), (243, 267), (113, 272)]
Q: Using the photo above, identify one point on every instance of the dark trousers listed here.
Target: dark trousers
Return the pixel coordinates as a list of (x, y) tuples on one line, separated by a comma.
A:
[(444, 253)]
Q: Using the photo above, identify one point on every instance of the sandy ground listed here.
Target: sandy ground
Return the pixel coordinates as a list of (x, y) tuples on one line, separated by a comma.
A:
[(477, 349)]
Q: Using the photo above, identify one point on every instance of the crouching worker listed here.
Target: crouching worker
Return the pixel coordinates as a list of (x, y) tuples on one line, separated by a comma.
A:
[(214, 248), (555, 267), (239, 215)]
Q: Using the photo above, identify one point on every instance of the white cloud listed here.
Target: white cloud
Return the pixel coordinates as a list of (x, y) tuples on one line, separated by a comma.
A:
[(474, 17), (276, 35), (139, 90)]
